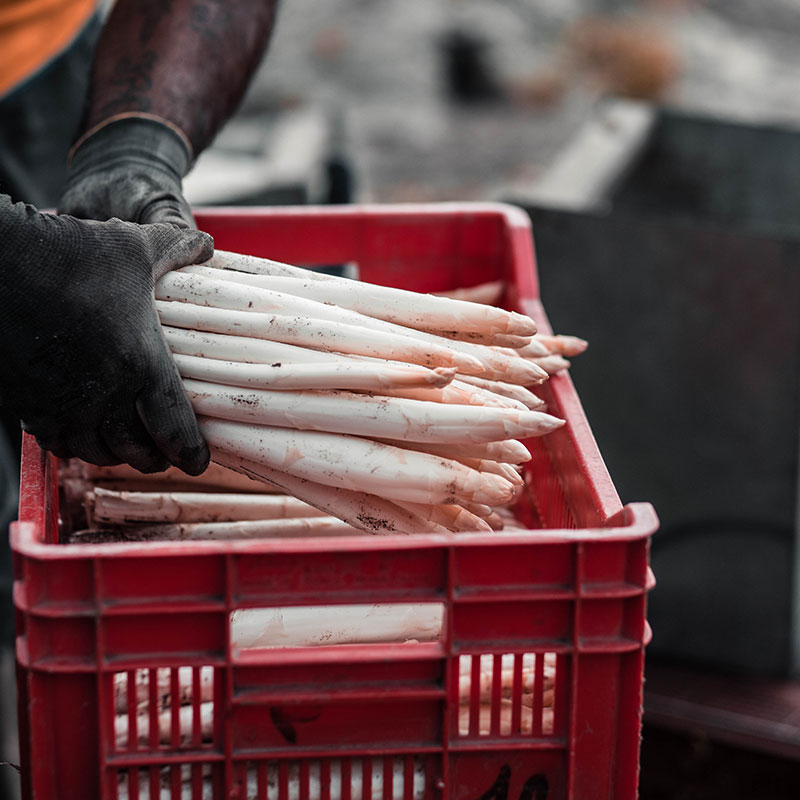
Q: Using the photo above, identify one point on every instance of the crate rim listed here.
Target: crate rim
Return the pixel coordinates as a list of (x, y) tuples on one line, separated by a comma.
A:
[(642, 516), (515, 216)]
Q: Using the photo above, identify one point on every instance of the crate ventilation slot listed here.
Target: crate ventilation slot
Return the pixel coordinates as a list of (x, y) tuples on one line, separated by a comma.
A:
[(163, 707), (507, 694)]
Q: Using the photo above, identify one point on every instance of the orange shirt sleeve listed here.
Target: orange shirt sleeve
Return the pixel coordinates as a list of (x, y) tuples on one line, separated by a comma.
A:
[(32, 32)]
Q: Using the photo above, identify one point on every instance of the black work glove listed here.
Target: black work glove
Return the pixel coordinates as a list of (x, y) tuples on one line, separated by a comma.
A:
[(131, 169), (86, 367)]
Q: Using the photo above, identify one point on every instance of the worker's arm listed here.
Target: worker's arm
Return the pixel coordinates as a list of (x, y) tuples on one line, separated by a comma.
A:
[(86, 367), (166, 75)]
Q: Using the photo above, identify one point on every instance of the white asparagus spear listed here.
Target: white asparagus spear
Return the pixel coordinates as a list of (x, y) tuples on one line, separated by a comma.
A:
[(497, 468), (487, 397), (358, 464), (315, 334), (122, 506), (141, 687), (365, 415), (280, 376), (394, 305), (456, 395), (313, 626), (454, 518), (501, 364), (534, 349), (480, 464), (478, 509), (458, 392), (505, 340), (518, 393), (361, 510), (225, 347), (506, 452), (186, 717), (489, 293), (497, 522), (207, 292), (248, 349), (216, 477), (560, 344), (551, 364), (221, 531)]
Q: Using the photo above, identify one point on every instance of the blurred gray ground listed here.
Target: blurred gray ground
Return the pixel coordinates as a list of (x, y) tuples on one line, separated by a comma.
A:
[(378, 63)]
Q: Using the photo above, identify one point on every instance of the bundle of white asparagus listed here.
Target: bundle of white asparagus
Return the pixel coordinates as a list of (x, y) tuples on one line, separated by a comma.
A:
[(389, 410), (334, 407)]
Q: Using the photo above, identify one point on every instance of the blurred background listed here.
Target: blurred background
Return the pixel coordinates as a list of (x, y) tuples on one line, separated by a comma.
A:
[(457, 99), (656, 147)]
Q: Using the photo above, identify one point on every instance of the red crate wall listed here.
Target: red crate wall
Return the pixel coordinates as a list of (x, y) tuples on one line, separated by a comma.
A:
[(573, 599)]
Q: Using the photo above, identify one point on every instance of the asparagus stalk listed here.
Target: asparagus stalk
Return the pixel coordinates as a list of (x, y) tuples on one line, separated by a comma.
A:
[(124, 507), (367, 416)]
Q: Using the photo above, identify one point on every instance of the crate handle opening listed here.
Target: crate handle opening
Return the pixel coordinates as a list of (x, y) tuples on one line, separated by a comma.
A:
[(315, 626)]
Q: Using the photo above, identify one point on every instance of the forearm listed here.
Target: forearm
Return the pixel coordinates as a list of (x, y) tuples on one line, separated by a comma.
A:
[(187, 61)]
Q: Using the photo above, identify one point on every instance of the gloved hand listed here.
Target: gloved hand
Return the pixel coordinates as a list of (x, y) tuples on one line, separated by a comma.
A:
[(87, 369), (130, 168)]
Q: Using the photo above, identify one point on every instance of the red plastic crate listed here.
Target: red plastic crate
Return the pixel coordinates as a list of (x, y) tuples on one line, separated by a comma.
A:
[(307, 723)]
